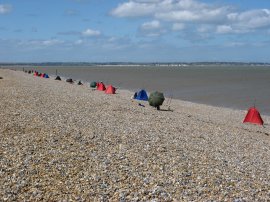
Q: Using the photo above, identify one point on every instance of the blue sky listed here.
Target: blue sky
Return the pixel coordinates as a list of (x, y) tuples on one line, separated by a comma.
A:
[(134, 30)]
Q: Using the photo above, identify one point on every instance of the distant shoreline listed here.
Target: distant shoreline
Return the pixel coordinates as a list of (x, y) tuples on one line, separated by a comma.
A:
[(180, 64)]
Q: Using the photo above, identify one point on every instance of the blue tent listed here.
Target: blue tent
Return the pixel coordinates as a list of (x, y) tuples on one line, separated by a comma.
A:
[(46, 76), (141, 95)]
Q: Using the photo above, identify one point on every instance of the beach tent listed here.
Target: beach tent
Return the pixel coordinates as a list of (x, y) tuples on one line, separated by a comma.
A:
[(46, 76), (93, 84), (36, 74), (58, 78), (42, 75), (110, 90), (69, 80), (101, 86), (142, 95), (156, 99), (98, 83), (253, 116)]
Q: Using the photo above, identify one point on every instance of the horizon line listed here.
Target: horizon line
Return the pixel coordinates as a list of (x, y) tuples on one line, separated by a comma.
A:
[(134, 63)]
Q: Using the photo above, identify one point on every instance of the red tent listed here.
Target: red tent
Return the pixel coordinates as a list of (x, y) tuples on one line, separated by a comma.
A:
[(36, 74), (101, 87), (110, 90), (253, 116)]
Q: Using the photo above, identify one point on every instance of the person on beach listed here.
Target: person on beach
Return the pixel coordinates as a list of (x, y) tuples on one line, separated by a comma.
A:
[(134, 96)]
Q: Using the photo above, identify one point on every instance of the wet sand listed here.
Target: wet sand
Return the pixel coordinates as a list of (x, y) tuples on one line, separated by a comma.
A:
[(62, 141)]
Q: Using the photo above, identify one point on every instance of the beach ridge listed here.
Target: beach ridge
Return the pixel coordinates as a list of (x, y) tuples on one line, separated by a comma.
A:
[(62, 141)]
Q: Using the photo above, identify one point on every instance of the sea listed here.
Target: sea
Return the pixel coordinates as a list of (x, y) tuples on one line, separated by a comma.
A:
[(230, 86)]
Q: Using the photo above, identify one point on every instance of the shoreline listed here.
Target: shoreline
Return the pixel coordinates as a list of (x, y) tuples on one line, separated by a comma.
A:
[(174, 101), (132, 91), (62, 141), (232, 87)]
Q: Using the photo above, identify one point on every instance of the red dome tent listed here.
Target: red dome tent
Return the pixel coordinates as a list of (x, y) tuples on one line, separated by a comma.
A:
[(101, 87), (253, 116), (110, 90)]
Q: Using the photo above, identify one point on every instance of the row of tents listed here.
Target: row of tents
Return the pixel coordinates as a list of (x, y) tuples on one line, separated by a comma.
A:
[(252, 116), (100, 86), (43, 75)]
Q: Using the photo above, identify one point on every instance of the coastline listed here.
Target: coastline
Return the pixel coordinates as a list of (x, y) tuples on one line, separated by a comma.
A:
[(235, 87), (63, 141)]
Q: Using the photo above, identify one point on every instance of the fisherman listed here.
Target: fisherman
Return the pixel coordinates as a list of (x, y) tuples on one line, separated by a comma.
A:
[(134, 96)]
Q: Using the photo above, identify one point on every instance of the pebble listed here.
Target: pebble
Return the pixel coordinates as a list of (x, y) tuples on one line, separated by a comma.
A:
[(62, 142)]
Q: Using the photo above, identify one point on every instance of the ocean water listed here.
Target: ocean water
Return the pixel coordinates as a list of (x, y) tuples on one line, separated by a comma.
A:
[(231, 86)]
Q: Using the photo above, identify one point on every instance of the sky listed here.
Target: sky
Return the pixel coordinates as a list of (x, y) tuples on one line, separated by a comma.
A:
[(134, 31)]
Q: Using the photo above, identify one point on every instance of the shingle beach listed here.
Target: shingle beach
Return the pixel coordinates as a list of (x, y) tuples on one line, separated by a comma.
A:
[(64, 142)]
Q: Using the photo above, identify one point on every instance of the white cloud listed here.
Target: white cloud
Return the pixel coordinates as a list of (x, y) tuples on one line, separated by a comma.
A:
[(224, 29), (178, 26), (5, 8), (226, 19), (178, 16), (133, 9), (79, 42), (49, 42), (151, 25), (251, 19), (39, 44), (189, 4), (148, 1), (112, 39), (205, 29), (233, 29), (247, 21), (91, 33), (151, 29), (199, 13), (172, 10), (235, 44)]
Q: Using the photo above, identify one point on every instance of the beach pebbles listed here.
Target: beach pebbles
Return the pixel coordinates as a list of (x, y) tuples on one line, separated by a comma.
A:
[(62, 142)]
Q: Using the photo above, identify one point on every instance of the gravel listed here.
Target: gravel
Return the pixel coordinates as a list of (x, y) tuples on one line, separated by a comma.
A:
[(64, 142)]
